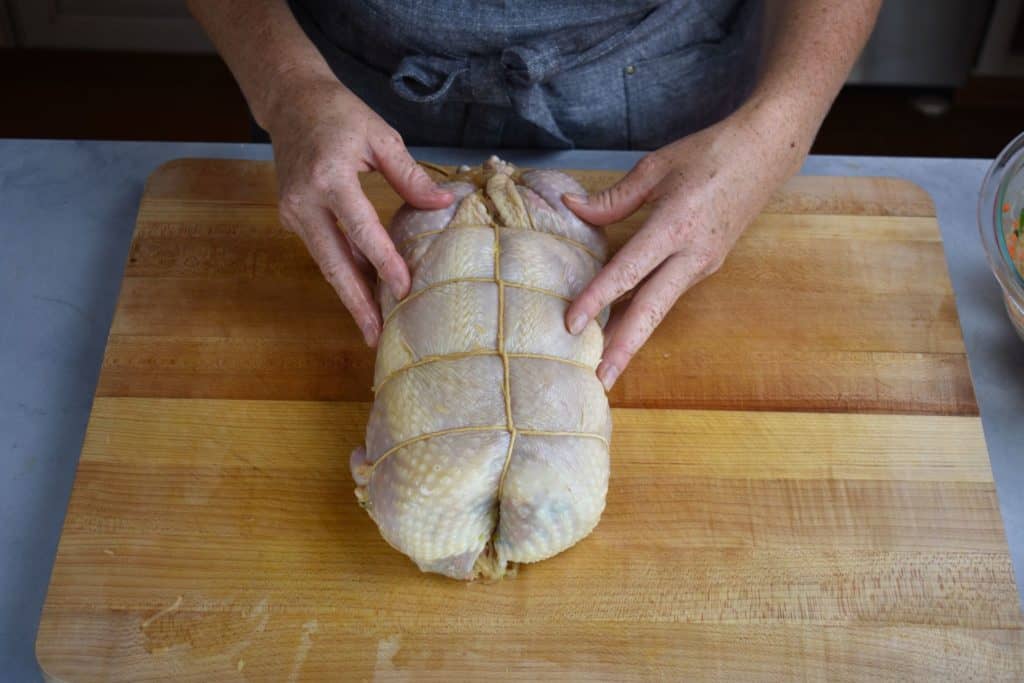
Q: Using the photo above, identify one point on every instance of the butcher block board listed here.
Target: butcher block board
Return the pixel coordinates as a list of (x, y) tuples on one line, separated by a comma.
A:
[(800, 487)]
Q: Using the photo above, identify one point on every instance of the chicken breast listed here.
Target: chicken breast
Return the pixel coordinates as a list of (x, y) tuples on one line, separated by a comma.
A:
[(487, 443)]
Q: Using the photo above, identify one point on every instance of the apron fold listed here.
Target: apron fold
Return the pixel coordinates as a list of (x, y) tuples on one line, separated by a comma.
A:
[(566, 88)]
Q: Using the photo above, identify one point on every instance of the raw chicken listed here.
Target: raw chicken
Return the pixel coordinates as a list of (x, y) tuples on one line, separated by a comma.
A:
[(487, 443)]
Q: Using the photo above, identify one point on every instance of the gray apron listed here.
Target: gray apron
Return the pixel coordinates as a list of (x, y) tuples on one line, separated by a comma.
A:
[(626, 74)]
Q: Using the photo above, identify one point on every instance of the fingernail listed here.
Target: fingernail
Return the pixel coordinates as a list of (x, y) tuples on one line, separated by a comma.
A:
[(574, 197), (578, 323), (609, 373), (398, 291)]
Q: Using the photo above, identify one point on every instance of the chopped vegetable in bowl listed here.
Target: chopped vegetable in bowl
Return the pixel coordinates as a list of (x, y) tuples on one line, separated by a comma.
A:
[(1001, 224), (1014, 233)]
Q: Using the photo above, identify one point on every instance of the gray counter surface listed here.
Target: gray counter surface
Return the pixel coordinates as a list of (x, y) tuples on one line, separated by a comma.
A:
[(67, 211)]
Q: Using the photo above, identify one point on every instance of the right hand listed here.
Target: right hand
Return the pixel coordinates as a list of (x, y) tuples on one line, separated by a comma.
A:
[(323, 137)]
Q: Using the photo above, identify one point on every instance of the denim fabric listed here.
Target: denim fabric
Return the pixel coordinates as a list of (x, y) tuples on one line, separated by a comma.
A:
[(598, 74)]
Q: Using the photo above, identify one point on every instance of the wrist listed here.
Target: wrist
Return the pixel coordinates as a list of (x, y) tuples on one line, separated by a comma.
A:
[(290, 88), (792, 115), (782, 125)]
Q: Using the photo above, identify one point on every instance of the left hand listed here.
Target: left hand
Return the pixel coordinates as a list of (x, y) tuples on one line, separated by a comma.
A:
[(705, 189)]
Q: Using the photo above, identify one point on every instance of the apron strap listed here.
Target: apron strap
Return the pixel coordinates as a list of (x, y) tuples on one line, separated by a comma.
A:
[(478, 79), (493, 79)]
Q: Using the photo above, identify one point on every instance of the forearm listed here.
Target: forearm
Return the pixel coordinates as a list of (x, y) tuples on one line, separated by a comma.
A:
[(811, 47), (263, 45)]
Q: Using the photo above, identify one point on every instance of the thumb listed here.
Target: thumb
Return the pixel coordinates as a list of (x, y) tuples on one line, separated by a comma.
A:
[(618, 201), (409, 179)]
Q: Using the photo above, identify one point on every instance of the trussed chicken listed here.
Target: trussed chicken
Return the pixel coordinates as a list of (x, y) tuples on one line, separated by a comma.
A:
[(488, 439)]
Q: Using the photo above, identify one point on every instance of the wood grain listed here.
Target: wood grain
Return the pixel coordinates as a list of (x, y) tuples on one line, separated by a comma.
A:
[(836, 299), (243, 509), (800, 487), (253, 182)]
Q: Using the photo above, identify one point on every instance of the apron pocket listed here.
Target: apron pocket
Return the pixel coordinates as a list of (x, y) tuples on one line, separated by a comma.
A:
[(671, 96), (589, 105)]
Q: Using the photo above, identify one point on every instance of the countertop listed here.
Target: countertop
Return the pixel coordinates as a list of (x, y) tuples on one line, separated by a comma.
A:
[(67, 211)]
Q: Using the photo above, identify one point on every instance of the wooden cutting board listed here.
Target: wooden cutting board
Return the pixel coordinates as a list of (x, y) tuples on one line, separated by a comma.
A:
[(800, 486)]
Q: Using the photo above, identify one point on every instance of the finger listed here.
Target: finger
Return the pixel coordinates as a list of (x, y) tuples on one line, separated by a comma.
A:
[(409, 179), (644, 313), (331, 252), (614, 319), (363, 229), (621, 199), (628, 267), (365, 267), (360, 468)]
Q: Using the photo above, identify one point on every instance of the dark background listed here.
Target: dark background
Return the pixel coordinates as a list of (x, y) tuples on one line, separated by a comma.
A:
[(937, 77), (118, 96)]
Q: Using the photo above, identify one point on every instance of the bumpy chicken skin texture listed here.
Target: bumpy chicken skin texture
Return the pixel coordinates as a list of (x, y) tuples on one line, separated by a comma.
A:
[(487, 443)]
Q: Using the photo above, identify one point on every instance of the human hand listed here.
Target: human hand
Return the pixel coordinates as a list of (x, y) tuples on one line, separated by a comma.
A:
[(704, 189), (324, 136)]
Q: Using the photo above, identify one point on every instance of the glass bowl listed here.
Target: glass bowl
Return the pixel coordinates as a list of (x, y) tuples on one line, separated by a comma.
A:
[(1000, 214)]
